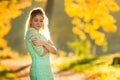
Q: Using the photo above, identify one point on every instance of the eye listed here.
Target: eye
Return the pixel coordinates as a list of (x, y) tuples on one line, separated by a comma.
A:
[(35, 20), (41, 20)]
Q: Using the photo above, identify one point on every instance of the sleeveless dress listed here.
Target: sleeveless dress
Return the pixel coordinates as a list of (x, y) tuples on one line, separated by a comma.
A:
[(40, 68)]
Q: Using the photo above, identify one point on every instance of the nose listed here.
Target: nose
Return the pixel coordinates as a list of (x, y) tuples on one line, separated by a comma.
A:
[(38, 23)]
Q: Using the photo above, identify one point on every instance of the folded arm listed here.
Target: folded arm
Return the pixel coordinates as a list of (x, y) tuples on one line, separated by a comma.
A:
[(47, 45), (39, 49), (45, 52)]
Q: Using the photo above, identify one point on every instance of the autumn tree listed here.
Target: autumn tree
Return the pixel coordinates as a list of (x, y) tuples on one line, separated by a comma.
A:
[(92, 19), (9, 9)]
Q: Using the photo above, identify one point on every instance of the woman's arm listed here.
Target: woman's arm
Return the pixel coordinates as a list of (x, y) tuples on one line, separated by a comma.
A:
[(45, 52), (48, 45), (51, 48), (40, 50)]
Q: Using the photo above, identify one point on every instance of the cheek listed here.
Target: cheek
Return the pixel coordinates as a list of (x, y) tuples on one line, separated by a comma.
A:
[(42, 25), (33, 23)]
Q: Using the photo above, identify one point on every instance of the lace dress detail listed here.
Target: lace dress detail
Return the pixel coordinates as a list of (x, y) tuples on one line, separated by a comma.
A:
[(40, 68)]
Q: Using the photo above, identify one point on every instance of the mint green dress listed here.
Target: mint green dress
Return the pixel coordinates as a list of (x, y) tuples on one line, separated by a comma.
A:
[(40, 68)]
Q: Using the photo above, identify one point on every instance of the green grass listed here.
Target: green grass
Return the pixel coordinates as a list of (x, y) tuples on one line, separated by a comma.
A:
[(98, 68), (6, 74)]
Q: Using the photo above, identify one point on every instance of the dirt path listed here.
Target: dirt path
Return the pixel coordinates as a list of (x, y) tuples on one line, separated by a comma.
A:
[(67, 75), (23, 74), (61, 76), (74, 76)]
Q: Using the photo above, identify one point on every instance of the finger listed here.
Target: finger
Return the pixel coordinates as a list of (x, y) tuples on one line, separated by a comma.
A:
[(36, 44), (35, 39)]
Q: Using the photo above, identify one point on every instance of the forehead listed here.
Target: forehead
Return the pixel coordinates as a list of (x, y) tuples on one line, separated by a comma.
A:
[(38, 17)]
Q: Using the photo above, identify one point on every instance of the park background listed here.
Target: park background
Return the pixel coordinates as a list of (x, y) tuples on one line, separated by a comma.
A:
[(85, 32)]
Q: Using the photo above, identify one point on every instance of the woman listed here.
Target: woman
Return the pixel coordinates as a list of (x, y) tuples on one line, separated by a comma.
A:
[(39, 45)]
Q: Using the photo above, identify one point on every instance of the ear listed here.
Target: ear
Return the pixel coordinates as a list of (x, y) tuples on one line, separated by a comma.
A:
[(30, 23)]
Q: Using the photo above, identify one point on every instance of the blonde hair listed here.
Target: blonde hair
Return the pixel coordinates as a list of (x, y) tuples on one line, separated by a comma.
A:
[(44, 30)]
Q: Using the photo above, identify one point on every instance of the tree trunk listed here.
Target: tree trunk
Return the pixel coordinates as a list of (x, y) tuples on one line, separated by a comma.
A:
[(116, 61), (48, 9)]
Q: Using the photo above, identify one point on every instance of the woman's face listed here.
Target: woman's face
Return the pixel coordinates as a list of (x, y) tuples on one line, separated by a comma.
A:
[(37, 22)]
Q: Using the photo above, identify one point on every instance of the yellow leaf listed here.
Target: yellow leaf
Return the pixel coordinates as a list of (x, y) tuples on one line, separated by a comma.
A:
[(97, 35), (87, 17), (93, 35), (76, 21), (75, 30), (99, 42), (109, 28), (88, 28), (3, 43), (113, 6), (82, 36), (96, 24), (107, 19)]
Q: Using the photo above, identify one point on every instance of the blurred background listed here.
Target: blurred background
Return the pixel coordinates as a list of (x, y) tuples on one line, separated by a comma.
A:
[(85, 32)]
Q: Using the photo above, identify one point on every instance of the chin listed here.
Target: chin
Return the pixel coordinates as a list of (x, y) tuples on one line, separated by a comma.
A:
[(38, 28)]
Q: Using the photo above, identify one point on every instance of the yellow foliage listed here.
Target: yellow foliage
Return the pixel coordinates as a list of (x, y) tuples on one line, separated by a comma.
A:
[(107, 19), (8, 53), (4, 28), (76, 31), (61, 53), (113, 6), (79, 32), (96, 25), (73, 9), (10, 75), (109, 28), (88, 28), (9, 9), (76, 21), (99, 37), (99, 41), (3, 43), (88, 17), (102, 9), (2, 68), (91, 15), (93, 35), (82, 36)]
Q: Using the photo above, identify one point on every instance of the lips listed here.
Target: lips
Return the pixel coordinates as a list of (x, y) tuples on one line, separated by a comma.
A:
[(37, 26)]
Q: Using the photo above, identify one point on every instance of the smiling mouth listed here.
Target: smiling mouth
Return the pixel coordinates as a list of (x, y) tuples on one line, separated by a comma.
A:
[(38, 26)]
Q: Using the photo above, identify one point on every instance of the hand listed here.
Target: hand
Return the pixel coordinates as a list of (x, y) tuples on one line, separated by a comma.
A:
[(38, 42), (50, 42)]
